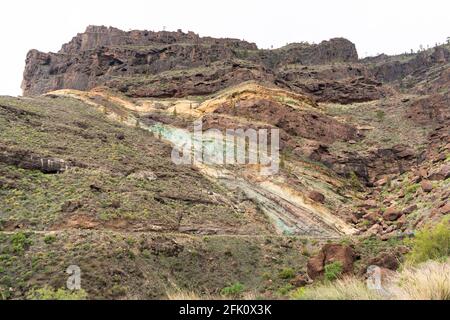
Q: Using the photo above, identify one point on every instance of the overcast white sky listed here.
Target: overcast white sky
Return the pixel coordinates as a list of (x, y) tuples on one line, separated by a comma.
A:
[(389, 26)]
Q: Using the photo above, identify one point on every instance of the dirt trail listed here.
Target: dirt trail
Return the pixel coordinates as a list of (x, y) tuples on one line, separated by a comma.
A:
[(285, 207)]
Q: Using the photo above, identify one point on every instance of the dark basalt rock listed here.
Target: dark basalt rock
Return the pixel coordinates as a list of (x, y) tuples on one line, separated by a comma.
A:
[(26, 160)]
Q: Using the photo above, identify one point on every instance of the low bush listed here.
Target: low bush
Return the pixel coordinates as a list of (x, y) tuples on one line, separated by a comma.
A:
[(431, 243), (333, 271), (233, 290), (287, 273), (20, 242)]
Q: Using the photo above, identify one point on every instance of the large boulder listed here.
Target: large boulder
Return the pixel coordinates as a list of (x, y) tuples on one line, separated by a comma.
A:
[(392, 214), (440, 174), (328, 254), (385, 260)]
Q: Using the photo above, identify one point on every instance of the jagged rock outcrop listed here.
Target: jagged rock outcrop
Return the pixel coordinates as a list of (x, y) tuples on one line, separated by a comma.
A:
[(117, 58), (29, 161), (434, 109), (391, 68), (100, 36), (192, 82), (341, 83), (302, 123), (369, 167), (331, 253), (335, 50)]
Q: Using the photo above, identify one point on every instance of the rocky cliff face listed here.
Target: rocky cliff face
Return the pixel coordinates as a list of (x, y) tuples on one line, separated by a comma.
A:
[(393, 68), (101, 55)]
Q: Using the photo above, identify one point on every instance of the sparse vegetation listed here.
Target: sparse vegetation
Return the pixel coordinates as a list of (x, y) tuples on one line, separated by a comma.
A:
[(343, 289), (354, 181), (287, 273), (47, 293), (380, 115), (141, 227)]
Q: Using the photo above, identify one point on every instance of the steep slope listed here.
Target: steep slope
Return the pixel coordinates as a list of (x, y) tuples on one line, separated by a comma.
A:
[(287, 206), (79, 187), (111, 176), (86, 175)]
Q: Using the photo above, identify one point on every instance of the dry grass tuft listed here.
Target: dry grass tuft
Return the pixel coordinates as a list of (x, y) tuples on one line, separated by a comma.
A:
[(192, 296), (429, 281), (345, 289)]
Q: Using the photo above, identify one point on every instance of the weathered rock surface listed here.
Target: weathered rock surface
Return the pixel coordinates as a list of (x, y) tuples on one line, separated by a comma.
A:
[(387, 69), (392, 214), (29, 161), (306, 124), (434, 109), (316, 196), (372, 166), (102, 54), (340, 83), (331, 253)]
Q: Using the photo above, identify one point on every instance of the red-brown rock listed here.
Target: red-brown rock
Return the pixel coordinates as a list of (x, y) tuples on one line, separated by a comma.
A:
[(441, 174), (391, 214), (300, 280), (410, 209), (426, 185), (331, 253), (445, 209), (316, 196)]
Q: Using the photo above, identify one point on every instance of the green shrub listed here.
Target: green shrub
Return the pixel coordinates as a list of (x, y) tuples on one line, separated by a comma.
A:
[(49, 239), (333, 271), (4, 293), (233, 290), (285, 290), (431, 243), (20, 242), (299, 293), (380, 115), (287, 273), (412, 188), (354, 181), (47, 293)]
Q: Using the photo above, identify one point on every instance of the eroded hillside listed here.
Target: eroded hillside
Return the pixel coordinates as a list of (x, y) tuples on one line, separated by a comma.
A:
[(87, 179)]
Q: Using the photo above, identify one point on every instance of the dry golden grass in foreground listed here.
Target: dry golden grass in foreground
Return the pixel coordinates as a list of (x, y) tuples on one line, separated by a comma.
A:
[(192, 296), (427, 281), (346, 289)]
